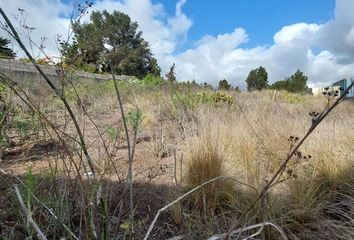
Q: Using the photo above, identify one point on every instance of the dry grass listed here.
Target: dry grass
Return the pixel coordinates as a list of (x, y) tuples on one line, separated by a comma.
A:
[(246, 141), (204, 162)]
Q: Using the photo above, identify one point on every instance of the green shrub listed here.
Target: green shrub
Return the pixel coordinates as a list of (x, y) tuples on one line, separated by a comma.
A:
[(6, 111), (88, 68), (151, 81), (222, 98), (294, 98), (183, 100), (191, 100), (112, 132), (25, 126), (134, 118), (42, 61)]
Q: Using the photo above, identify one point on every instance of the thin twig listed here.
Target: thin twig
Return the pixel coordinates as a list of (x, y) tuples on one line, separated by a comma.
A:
[(259, 225), (40, 202), (130, 159), (35, 109), (55, 89), (67, 106), (98, 132), (175, 168), (185, 195), (28, 215)]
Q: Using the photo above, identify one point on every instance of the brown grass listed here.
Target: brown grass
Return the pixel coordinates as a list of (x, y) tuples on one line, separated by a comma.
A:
[(246, 141)]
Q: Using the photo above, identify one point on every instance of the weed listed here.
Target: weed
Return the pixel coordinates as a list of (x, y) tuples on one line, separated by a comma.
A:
[(112, 133), (134, 118)]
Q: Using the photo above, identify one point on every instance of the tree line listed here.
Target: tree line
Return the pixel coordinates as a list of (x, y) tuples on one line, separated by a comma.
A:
[(258, 79), (111, 42)]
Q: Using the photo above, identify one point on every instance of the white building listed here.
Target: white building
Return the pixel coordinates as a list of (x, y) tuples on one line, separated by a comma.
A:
[(319, 90)]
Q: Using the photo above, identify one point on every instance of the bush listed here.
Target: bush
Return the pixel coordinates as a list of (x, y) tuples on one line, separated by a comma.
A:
[(42, 61), (6, 113), (91, 68), (294, 98), (192, 100), (152, 81)]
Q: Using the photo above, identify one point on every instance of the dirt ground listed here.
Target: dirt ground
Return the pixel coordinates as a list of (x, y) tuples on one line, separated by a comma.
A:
[(154, 175)]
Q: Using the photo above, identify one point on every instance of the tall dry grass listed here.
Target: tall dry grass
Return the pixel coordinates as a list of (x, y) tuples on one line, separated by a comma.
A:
[(245, 142), (249, 141)]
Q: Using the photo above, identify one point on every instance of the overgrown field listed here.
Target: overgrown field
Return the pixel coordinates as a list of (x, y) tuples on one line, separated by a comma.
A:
[(180, 136)]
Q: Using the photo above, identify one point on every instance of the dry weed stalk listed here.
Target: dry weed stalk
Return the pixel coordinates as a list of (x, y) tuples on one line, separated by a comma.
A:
[(90, 207), (187, 194), (259, 225), (281, 169), (130, 149), (40, 202), (29, 215), (54, 88), (35, 109)]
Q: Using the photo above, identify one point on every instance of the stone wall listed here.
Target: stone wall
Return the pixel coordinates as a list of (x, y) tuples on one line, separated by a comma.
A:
[(27, 74)]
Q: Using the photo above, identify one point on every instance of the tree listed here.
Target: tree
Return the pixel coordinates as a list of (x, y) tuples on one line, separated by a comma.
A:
[(281, 85), (295, 83), (298, 82), (110, 41), (171, 76), (224, 85), (154, 68), (257, 79), (6, 52), (208, 86)]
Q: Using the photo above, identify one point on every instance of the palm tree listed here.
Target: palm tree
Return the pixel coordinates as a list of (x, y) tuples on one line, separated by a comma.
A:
[(5, 52)]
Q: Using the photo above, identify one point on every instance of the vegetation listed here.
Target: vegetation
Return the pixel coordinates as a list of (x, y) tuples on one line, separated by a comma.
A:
[(184, 121), (296, 83), (154, 68), (224, 85), (5, 51), (110, 41), (257, 79), (171, 75), (204, 161)]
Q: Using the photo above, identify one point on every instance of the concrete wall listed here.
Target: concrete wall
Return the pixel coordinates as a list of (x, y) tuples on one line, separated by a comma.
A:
[(27, 74)]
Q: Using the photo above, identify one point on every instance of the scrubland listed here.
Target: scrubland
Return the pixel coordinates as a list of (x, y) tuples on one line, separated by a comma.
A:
[(181, 136)]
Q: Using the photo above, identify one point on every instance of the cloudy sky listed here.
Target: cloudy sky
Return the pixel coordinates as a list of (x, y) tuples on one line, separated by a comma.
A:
[(211, 40)]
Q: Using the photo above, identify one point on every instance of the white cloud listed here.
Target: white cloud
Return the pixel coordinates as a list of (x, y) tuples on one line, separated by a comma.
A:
[(46, 16), (349, 38), (294, 48), (223, 57), (295, 33), (325, 52), (337, 35)]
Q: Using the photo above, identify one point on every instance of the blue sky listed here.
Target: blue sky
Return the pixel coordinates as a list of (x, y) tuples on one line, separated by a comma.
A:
[(210, 40), (260, 18)]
